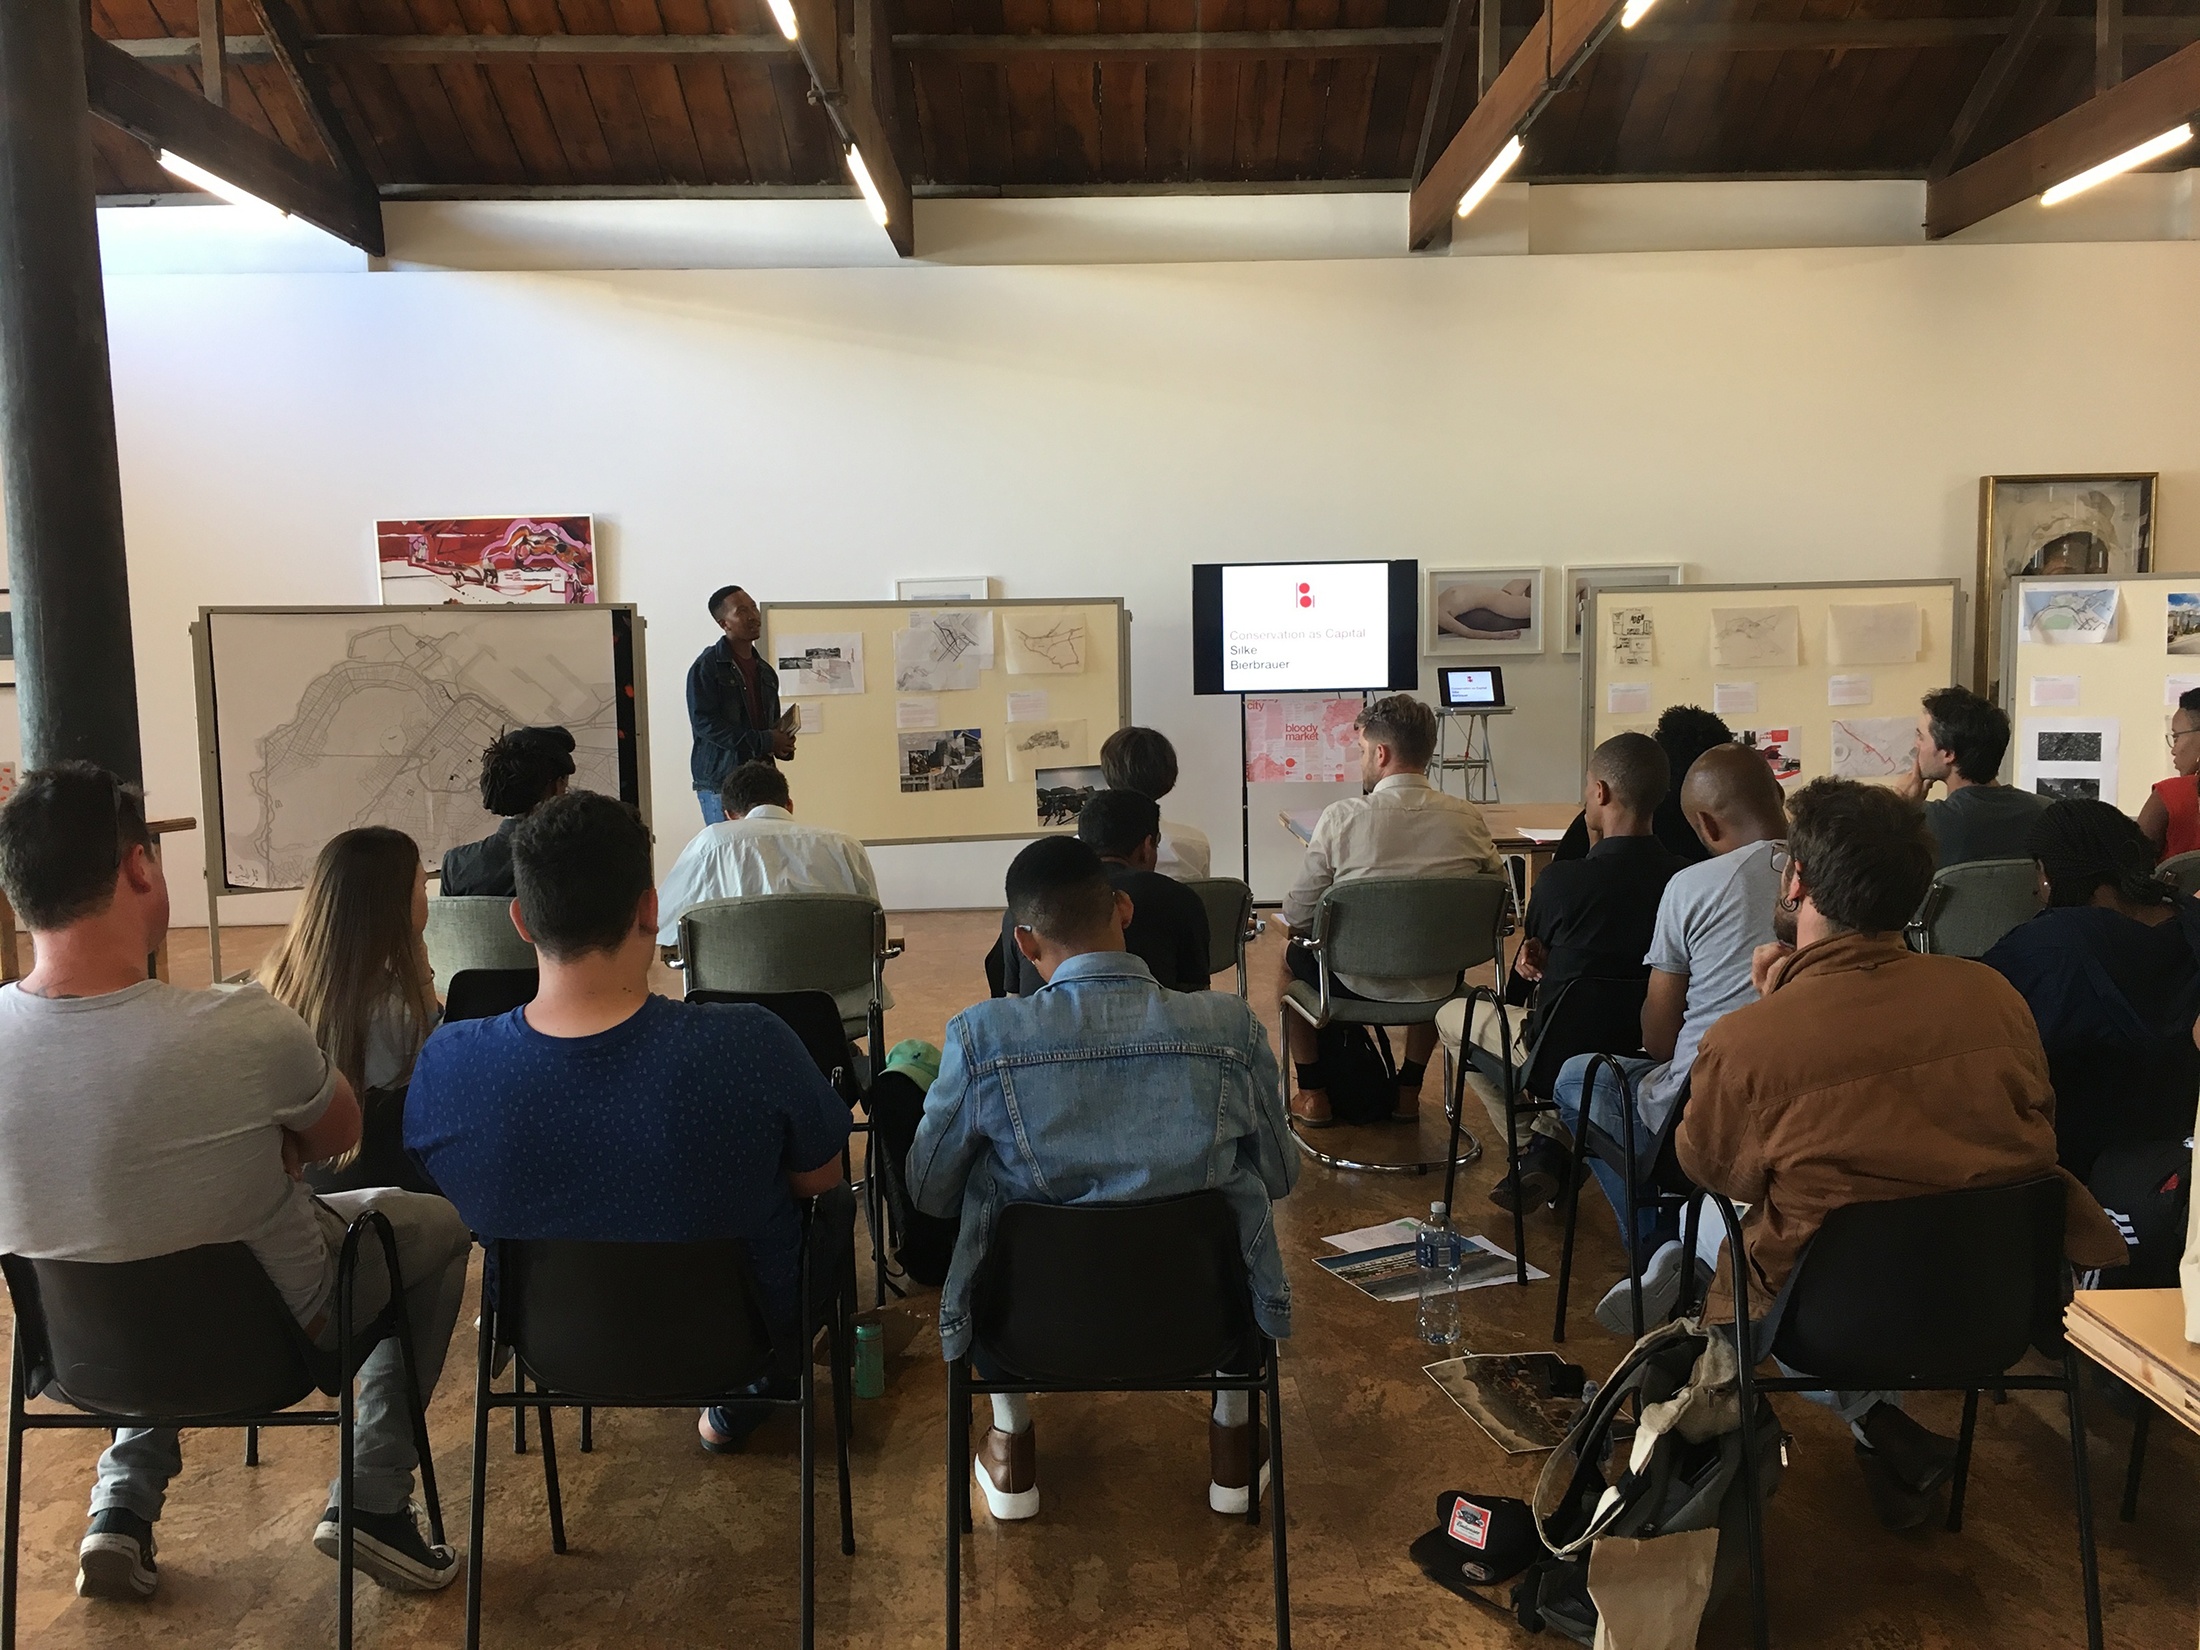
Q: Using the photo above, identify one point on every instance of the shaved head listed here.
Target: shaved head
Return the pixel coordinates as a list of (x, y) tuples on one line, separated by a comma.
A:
[(1731, 788)]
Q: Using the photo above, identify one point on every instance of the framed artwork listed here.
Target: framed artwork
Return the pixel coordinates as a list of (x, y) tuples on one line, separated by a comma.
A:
[(1470, 611), (474, 560), (1580, 581), (2083, 526)]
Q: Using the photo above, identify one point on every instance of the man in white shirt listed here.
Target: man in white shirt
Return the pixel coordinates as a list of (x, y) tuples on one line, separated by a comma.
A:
[(759, 849), (1143, 760), (1401, 827)]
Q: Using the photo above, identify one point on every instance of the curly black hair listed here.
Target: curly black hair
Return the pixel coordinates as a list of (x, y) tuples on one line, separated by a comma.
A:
[(523, 767), (2085, 845), (1686, 732)]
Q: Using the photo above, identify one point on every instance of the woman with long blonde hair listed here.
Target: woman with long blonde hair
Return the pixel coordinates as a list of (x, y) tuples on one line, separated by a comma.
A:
[(355, 964)]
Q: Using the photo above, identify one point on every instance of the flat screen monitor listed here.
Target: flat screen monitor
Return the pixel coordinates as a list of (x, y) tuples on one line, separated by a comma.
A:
[(1306, 627), (1481, 687)]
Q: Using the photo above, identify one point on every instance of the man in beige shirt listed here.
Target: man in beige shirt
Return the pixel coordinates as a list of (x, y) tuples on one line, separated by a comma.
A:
[(1401, 827)]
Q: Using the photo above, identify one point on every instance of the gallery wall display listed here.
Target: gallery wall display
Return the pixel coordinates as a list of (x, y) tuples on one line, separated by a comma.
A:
[(1470, 611), (1615, 576), (2068, 526), (485, 560)]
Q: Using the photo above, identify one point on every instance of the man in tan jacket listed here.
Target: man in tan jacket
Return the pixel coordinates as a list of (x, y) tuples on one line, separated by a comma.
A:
[(1867, 1073)]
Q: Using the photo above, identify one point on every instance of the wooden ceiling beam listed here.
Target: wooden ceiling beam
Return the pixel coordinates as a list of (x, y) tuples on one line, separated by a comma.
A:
[(1560, 41), (1451, 59), (1327, 43), (843, 78), (163, 115), (286, 36), (1992, 85), (2148, 104)]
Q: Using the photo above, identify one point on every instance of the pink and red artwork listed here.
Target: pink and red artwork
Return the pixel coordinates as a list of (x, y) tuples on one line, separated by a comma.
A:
[(549, 560)]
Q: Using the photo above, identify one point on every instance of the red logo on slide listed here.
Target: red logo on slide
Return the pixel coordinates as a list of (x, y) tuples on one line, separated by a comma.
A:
[(1306, 595)]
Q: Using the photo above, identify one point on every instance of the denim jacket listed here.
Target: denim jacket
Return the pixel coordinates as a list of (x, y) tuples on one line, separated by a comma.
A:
[(1104, 1088)]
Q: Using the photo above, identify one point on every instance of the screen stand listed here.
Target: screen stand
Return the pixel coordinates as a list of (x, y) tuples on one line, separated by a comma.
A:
[(1476, 767)]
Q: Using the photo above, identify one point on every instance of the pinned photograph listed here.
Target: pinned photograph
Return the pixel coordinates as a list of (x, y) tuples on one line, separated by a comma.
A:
[(953, 760), (1779, 747), (2184, 621), (1525, 1401), (2066, 757), (1063, 793)]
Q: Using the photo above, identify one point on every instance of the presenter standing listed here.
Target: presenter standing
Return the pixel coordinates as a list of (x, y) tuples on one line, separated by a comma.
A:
[(733, 701)]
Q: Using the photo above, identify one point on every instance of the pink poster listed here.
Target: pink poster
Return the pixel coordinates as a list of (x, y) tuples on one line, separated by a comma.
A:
[(1307, 737)]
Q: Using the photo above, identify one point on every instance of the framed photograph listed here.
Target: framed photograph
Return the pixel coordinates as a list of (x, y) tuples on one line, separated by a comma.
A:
[(2081, 526), (1580, 581), (478, 560), (1470, 611)]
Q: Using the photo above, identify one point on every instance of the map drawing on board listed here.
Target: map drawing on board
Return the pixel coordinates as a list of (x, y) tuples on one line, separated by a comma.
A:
[(1756, 638), (1873, 747), (326, 722), (480, 560), (1045, 642)]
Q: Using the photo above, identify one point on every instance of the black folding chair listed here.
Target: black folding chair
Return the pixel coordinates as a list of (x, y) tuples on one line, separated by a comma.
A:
[(199, 1338), (626, 1326), (1944, 1293), (814, 1018), (484, 993), (1150, 1296), (1661, 1181), (1589, 1015)]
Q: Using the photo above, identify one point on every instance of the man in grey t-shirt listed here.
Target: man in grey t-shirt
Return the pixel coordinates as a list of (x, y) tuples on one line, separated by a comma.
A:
[(137, 1120), (1961, 740), (1711, 920)]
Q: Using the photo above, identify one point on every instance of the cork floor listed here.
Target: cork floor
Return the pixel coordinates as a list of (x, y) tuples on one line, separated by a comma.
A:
[(673, 1547)]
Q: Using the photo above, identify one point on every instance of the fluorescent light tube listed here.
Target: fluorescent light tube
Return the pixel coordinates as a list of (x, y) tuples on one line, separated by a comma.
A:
[(1636, 11), (191, 172), (783, 15), (862, 174), (1491, 174), (2152, 149)]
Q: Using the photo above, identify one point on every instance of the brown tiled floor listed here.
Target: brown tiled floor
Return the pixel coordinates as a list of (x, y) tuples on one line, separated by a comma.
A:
[(672, 1547)]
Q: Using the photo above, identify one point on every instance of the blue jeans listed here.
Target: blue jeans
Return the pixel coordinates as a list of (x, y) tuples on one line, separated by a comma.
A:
[(714, 811), (1604, 1104)]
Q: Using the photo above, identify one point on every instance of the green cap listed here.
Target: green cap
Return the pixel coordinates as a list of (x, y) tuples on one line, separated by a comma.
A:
[(916, 1060)]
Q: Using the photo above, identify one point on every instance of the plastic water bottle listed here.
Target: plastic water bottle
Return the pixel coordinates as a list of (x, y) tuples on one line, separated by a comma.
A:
[(1436, 1252), (870, 1361)]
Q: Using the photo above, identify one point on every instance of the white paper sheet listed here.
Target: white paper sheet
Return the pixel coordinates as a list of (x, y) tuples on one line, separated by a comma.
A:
[(2176, 687), (1401, 1230), (1626, 698), (2067, 614), (1879, 633), (1030, 706), (1044, 641), (1734, 698), (923, 663), (957, 631), (2069, 756), (1036, 745), (1756, 638), (1634, 644), (1872, 747), (824, 664), (1848, 690), (809, 716), (917, 713), (2062, 691)]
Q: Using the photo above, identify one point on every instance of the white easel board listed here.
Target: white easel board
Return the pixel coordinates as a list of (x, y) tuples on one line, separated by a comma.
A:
[(1797, 699)]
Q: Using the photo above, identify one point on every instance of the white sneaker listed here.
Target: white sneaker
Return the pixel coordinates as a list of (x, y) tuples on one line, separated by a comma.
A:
[(1661, 1289), (1007, 1470)]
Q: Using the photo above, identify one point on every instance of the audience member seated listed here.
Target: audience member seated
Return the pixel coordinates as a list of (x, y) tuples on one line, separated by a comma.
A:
[(602, 1113), (1401, 826), (2170, 816), (2111, 972), (138, 1119), (1961, 740), (1591, 917), (1710, 922), (1121, 1091), (1866, 1073), (520, 771), (354, 965), (1684, 733), (1167, 930), (1142, 760)]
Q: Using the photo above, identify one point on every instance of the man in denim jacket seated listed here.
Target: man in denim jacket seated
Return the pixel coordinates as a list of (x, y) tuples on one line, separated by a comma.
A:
[(1101, 1088)]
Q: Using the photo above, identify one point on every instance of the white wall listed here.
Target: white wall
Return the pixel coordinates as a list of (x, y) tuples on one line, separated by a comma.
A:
[(1094, 429)]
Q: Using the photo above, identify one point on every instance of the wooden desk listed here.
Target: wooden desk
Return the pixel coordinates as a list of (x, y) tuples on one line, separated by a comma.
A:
[(1508, 819), (2139, 1335), (12, 969)]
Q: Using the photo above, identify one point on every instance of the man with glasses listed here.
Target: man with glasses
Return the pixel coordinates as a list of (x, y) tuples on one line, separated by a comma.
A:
[(139, 1119), (2170, 816), (1961, 740), (1711, 920)]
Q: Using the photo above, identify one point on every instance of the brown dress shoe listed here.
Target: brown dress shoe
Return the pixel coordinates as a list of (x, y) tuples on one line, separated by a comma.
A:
[(1231, 1452), (1007, 1470)]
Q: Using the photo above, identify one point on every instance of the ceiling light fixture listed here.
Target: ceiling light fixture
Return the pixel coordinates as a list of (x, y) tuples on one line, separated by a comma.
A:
[(862, 174), (1491, 174), (2153, 149), (192, 172), (783, 15), (1636, 11)]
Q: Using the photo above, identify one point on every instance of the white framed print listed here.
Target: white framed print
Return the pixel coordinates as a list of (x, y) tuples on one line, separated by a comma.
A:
[(1580, 581), (1469, 611)]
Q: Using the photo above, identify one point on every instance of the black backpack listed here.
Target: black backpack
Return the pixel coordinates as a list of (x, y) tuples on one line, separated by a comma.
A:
[(1363, 1081), (922, 1243)]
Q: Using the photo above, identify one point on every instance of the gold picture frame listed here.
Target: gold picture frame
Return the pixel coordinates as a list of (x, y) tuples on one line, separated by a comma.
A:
[(2035, 524)]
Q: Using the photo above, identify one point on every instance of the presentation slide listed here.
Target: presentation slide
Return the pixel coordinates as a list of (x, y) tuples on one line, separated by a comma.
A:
[(1305, 626)]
